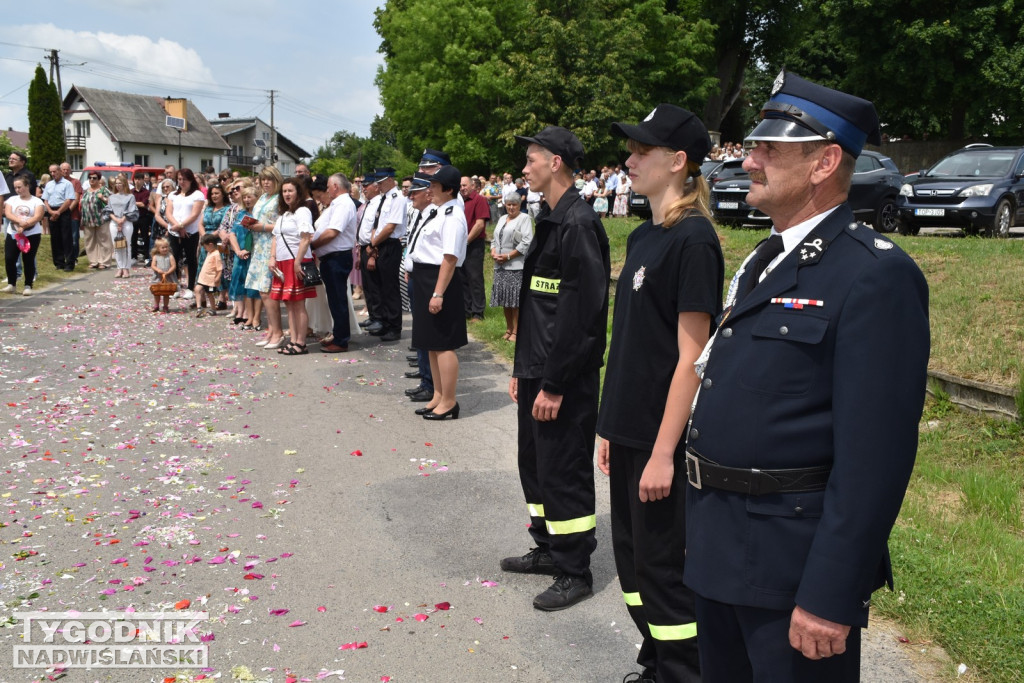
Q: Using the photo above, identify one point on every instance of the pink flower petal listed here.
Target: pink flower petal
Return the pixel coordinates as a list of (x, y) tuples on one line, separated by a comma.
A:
[(278, 612), (296, 623), (420, 617), (321, 608), (443, 605), (380, 608)]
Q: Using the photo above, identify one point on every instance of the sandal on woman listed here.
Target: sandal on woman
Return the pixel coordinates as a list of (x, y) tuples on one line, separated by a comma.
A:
[(293, 349), (512, 337), (508, 333)]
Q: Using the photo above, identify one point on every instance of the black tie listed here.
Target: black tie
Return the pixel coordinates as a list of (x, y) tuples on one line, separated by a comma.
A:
[(416, 233), (766, 253)]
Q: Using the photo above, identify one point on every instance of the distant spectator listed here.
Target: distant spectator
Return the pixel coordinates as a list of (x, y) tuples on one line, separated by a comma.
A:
[(512, 237), (23, 212), (121, 213)]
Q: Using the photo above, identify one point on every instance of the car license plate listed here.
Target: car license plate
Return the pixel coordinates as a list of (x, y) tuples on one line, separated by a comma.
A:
[(929, 212), (728, 205)]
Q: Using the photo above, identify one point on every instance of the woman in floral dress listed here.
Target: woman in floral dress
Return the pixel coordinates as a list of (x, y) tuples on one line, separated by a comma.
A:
[(258, 278)]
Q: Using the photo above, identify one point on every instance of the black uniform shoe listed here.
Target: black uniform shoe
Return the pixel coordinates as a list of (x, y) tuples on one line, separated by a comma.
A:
[(421, 396), (366, 323), (536, 561), (412, 358), (413, 374), (565, 592), (376, 329), (648, 676), (414, 364), (391, 336)]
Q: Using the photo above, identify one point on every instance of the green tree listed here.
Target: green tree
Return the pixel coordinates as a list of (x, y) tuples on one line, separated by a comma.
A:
[(45, 124), (941, 68), (470, 83), (353, 155), (749, 32)]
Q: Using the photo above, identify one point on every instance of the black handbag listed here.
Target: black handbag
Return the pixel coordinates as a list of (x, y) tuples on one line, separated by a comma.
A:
[(310, 273)]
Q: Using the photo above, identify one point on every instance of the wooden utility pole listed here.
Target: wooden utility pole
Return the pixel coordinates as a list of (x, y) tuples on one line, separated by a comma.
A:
[(273, 133)]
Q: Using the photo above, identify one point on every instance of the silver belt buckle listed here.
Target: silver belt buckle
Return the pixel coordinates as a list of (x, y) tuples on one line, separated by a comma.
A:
[(693, 471)]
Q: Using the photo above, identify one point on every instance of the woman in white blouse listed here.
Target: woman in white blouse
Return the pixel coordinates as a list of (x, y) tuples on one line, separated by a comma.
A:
[(438, 318), (184, 209), (290, 249)]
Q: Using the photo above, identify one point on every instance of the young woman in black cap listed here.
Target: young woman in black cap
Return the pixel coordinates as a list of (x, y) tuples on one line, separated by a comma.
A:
[(668, 294)]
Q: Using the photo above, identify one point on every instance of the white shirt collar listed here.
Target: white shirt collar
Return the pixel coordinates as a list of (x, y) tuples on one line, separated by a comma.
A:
[(794, 236)]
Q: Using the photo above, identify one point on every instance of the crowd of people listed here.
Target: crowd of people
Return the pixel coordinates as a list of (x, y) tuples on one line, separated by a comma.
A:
[(750, 507)]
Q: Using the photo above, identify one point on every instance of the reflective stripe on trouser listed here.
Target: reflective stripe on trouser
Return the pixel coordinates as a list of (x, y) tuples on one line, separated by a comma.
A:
[(556, 469), (649, 543)]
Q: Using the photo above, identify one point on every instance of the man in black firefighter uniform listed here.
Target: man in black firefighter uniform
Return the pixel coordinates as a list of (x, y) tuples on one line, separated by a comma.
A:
[(563, 323), (804, 432)]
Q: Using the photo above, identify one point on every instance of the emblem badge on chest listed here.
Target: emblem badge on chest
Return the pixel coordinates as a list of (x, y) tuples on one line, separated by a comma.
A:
[(638, 278)]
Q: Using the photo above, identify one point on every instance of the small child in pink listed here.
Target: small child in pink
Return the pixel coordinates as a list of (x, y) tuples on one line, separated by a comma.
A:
[(208, 282)]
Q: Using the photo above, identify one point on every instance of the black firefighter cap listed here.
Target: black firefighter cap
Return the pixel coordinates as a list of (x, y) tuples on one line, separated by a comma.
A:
[(670, 126), (560, 141), (799, 110), (435, 157)]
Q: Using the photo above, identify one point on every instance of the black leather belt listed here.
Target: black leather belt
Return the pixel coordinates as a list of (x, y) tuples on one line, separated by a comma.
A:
[(701, 472)]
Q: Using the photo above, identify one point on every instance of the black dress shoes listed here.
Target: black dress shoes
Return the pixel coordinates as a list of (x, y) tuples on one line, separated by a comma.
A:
[(413, 374), (376, 329), (413, 357), (453, 414), (421, 396), (367, 323), (566, 591)]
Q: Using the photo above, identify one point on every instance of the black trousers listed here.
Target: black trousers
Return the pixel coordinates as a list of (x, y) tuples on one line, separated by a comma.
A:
[(334, 269), (62, 242), (473, 279), (751, 645), (556, 469), (186, 252), (380, 286), (28, 259), (649, 543)]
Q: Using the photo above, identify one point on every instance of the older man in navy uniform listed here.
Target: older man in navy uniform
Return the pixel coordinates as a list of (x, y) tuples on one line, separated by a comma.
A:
[(804, 432)]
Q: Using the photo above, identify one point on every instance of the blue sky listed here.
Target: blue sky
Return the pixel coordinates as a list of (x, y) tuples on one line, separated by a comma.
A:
[(321, 57)]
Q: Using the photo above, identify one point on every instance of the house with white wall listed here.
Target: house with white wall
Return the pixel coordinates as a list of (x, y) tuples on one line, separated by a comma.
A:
[(116, 127), (250, 141)]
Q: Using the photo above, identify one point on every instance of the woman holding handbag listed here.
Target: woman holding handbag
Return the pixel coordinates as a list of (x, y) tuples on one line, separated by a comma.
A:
[(122, 213), (291, 262)]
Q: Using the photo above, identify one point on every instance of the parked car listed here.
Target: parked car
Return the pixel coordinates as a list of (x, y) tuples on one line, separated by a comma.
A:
[(729, 187), (978, 188), (875, 190), (640, 206), (873, 195), (111, 171)]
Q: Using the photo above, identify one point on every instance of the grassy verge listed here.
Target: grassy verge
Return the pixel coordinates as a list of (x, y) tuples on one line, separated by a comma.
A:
[(46, 274), (958, 546)]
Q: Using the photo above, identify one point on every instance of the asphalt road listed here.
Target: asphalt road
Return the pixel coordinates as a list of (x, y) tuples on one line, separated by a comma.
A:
[(150, 459)]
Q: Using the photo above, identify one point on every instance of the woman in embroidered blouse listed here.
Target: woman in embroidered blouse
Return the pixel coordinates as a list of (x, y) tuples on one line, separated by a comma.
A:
[(122, 213), (292, 234), (261, 224), (240, 241), (98, 247), (213, 215), (512, 237)]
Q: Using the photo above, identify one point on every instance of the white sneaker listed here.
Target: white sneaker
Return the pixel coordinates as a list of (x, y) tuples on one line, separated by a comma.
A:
[(188, 294), (8, 289), (28, 291)]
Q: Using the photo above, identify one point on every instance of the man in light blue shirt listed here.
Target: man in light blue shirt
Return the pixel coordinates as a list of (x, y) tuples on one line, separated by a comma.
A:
[(58, 196), (611, 185)]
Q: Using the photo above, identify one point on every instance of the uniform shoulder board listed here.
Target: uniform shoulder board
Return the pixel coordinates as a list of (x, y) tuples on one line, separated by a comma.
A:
[(875, 243), (448, 211), (394, 193)]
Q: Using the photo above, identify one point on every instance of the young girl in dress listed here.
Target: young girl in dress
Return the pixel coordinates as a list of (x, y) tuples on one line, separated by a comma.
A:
[(208, 282), (164, 269)]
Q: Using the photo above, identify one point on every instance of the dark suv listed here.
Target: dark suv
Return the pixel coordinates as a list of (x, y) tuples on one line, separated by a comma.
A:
[(979, 188)]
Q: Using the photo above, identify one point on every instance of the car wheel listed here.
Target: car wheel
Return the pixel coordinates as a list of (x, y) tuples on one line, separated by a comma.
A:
[(887, 216), (1003, 220), (907, 228)]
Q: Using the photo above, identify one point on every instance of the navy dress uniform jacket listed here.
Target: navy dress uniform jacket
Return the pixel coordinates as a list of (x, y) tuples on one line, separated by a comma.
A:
[(841, 384)]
